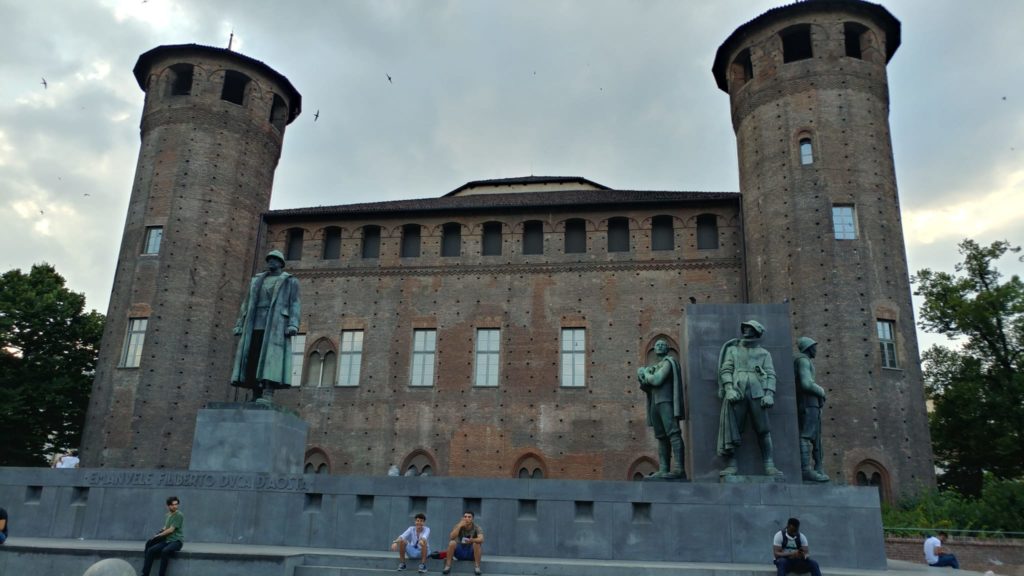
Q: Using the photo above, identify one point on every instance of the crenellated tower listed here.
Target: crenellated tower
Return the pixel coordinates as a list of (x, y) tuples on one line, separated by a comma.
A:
[(212, 130), (810, 105)]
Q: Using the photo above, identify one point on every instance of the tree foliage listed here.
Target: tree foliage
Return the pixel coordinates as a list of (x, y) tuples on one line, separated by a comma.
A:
[(48, 348), (999, 509), (977, 390)]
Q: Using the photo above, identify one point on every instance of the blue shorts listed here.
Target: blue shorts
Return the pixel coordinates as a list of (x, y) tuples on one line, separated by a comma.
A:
[(464, 552), (413, 551)]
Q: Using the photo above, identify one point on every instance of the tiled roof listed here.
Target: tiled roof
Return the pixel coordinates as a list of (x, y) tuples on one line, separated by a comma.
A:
[(559, 199), (524, 180)]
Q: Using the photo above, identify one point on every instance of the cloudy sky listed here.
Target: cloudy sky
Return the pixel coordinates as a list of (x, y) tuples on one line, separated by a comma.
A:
[(619, 92)]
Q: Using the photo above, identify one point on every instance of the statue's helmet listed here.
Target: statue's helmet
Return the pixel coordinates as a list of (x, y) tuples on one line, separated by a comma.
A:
[(757, 326), (803, 343), (275, 254)]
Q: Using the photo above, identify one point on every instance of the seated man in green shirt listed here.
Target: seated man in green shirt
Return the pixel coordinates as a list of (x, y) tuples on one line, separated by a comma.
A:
[(167, 541)]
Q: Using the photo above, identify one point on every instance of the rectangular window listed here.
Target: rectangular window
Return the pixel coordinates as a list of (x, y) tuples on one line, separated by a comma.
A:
[(410, 241), (662, 233), (298, 353), (154, 234), (574, 356), (533, 237), (371, 241), (451, 239), (887, 343), (136, 337), (351, 357), (707, 232), (844, 222), (488, 352), (492, 239), (424, 351), (618, 235)]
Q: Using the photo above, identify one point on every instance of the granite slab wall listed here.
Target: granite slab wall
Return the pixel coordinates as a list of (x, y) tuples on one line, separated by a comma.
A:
[(684, 522)]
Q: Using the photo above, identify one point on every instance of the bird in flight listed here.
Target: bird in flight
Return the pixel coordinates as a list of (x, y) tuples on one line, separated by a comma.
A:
[(317, 115), (389, 78), (44, 83)]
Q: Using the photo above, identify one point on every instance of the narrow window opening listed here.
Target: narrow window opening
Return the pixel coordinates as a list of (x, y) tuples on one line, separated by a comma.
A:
[(492, 239), (663, 235), (742, 68), (410, 241), (332, 243), (371, 242), (488, 354), (424, 351), (855, 39), (131, 356), (279, 113), (618, 234), (293, 246), (181, 79), (351, 357), (707, 232), (806, 151), (154, 235), (235, 84), (796, 43), (451, 239), (887, 343), (574, 357), (575, 236), (533, 237)]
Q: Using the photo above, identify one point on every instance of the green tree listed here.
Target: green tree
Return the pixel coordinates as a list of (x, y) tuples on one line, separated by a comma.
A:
[(48, 347), (977, 390)]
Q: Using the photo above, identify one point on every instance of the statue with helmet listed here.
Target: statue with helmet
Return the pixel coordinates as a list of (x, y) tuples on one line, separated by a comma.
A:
[(810, 399), (268, 319), (746, 385)]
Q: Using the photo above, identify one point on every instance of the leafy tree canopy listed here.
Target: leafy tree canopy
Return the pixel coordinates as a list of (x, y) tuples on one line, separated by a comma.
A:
[(48, 348), (977, 389)]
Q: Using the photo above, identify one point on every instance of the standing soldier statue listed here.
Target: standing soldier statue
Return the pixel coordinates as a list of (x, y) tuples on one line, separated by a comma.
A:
[(662, 382), (268, 319), (810, 398), (746, 385)]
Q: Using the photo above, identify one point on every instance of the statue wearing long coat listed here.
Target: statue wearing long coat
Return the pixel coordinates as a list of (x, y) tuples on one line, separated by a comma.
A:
[(275, 355)]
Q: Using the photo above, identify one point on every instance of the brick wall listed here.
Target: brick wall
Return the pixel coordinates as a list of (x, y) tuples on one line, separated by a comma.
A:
[(1003, 556)]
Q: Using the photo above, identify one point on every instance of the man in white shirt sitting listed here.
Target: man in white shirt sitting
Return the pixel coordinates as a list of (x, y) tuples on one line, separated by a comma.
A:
[(935, 554)]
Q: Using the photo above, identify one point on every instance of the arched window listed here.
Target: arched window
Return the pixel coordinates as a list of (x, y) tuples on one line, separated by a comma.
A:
[(317, 462), (530, 466), (575, 236), (451, 239), (796, 43), (410, 241), (618, 234), (492, 239), (293, 247), (742, 69), (418, 463), (855, 39), (279, 113), (235, 84), (872, 473), (332, 243), (707, 232), (806, 151), (641, 468), (322, 364), (371, 241), (181, 79), (663, 236), (533, 237)]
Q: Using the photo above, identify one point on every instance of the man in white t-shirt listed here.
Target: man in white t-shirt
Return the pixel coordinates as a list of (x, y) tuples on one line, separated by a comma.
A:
[(935, 554), (69, 460), (413, 543), (790, 550)]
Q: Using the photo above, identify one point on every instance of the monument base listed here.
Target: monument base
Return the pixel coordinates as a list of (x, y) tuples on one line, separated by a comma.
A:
[(751, 479), (248, 437)]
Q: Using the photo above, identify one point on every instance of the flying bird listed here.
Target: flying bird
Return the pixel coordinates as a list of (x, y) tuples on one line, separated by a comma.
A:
[(317, 115), (389, 78), (45, 85)]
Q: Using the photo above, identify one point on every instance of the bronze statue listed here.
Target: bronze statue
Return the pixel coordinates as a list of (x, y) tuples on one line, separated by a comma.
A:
[(746, 385), (810, 398), (662, 382), (268, 319)]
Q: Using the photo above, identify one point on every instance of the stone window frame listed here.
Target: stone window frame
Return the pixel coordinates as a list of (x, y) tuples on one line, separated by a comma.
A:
[(321, 370), (421, 461), (576, 354), (530, 466), (134, 342), (423, 356), (805, 148), (317, 461), (641, 468), (350, 357), (869, 469), (488, 360)]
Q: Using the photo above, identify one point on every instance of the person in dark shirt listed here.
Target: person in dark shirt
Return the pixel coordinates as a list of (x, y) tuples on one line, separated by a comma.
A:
[(3, 525)]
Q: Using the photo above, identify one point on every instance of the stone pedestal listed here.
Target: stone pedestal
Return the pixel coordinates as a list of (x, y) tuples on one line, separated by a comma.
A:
[(248, 437)]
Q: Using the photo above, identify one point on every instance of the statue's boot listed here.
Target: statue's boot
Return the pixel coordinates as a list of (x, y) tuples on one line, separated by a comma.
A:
[(267, 396), (677, 472), (768, 455), (664, 458), (730, 466), (818, 465), (807, 473)]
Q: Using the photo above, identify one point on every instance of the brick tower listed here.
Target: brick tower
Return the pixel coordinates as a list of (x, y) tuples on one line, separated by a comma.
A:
[(810, 106), (212, 130)]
